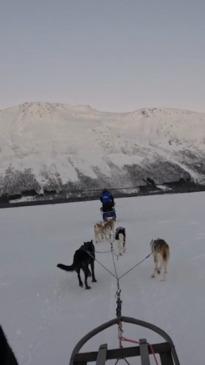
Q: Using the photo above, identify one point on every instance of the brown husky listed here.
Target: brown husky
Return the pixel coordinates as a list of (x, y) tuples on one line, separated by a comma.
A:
[(161, 252), (104, 230)]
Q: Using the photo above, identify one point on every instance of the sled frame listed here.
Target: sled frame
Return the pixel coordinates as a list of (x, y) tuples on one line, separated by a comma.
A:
[(166, 350)]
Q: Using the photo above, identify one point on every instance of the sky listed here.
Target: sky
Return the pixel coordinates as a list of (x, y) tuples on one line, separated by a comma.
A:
[(115, 55)]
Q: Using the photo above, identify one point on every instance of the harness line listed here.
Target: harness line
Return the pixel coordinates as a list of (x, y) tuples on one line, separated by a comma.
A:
[(133, 267), (118, 293), (138, 342), (102, 251), (100, 263), (119, 304)]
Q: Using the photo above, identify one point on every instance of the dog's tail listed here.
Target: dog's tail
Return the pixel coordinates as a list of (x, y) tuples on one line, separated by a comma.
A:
[(165, 253), (66, 267)]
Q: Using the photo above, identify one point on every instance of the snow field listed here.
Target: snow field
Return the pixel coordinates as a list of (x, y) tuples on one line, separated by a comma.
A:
[(43, 310)]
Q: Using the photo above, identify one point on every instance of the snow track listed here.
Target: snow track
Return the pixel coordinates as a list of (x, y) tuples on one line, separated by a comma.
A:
[(43, 310)]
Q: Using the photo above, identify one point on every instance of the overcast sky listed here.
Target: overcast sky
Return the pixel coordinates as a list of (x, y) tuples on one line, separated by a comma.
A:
[(116, 55)]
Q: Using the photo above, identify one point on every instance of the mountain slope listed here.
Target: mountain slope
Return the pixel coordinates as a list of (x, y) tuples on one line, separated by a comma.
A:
[(56, 146)]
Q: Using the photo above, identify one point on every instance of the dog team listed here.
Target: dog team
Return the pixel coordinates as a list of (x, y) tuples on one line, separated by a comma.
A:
[(84, 257), (104, 231)]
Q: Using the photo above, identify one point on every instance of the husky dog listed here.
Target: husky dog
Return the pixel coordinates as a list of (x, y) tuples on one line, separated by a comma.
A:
[(120, 239), (161, 252), (83, 257), (104, 230), (99, 232), (109, 229)]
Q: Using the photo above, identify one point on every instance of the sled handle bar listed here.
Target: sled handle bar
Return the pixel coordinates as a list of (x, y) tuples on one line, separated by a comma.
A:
[(114, 321)]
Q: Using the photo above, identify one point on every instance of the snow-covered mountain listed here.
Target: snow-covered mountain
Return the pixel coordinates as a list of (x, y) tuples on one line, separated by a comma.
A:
[(61, 147)]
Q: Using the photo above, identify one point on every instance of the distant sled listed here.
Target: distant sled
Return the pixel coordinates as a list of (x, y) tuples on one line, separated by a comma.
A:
[(110, 215)]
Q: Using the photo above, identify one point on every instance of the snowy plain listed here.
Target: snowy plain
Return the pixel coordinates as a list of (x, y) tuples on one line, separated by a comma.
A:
[(43, 310)]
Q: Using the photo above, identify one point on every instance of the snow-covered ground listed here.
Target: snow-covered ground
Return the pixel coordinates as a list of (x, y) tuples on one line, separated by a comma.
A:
[(43, 310)]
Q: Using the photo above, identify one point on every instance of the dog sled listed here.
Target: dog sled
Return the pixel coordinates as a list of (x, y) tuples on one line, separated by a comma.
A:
[(163, 353), (108, 215)]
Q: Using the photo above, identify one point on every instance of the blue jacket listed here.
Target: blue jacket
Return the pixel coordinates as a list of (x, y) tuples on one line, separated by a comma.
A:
[(107, 199)]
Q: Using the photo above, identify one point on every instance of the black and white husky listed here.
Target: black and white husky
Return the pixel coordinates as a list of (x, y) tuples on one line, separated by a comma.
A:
[(120, 239)]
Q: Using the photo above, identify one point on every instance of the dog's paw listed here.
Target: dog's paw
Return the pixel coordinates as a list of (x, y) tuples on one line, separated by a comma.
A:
[(81, 285), (94, 280), (88, 287), (152, 276)]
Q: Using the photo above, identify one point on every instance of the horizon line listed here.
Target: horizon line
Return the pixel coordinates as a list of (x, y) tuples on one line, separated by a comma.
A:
[(149, 107)]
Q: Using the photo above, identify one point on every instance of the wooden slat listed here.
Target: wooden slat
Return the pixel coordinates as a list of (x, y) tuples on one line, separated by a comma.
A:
[(122, 353), (144, 352), (102, 354)]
